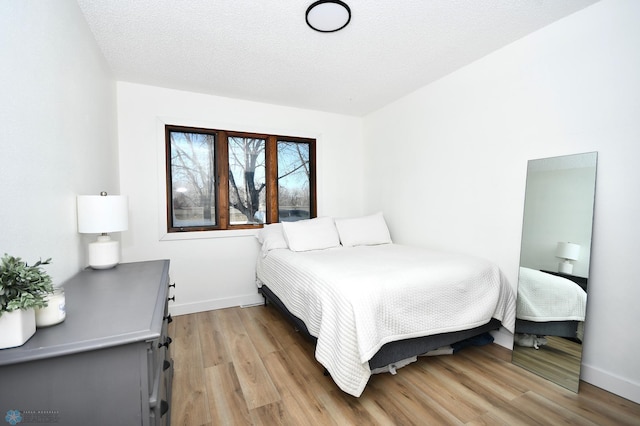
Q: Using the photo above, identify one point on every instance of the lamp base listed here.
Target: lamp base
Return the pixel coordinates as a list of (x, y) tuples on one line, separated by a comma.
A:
[(104, 253), (565, 267)]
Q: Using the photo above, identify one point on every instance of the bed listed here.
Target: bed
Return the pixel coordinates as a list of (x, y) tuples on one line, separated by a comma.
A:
[(369, 302), (548, 305)]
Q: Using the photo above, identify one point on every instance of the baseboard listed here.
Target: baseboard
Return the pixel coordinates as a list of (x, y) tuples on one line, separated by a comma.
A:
[(212, 304), (610, 382)]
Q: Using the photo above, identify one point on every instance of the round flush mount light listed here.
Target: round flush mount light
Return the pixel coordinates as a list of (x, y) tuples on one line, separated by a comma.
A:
[(327, 16)]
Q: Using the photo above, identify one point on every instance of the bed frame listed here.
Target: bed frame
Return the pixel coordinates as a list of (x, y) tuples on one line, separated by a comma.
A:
[(394, 351), (567, 329)]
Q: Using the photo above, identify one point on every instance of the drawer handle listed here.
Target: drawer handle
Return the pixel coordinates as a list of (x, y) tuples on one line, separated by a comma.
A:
[(169, 319), (164, 407), (166, 343), (165, 365), (173, 298), (172, 285)]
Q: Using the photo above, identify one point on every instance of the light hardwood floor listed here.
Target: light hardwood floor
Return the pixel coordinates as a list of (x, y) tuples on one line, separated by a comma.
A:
[(558, 360), (248, 366)]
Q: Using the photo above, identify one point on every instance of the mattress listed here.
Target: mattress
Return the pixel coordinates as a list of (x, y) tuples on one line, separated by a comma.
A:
[(545, 297)]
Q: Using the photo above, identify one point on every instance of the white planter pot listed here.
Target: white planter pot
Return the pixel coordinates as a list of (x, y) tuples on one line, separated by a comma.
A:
[(16, 327)]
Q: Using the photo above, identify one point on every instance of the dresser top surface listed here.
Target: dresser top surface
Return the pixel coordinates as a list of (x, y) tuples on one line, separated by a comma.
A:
[(104, 308)]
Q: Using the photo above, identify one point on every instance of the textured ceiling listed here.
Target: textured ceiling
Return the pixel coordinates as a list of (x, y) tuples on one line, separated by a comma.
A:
[(262, 50)]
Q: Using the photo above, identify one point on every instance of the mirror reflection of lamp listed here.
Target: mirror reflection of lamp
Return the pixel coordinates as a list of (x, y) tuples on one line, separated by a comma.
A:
[(101, 214), (568, 252)]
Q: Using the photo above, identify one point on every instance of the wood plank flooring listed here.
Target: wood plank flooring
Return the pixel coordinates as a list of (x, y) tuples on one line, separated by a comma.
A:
[(558, 360), (248, 366)]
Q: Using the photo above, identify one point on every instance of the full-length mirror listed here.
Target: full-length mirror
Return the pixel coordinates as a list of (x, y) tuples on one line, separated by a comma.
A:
[(553, 280)]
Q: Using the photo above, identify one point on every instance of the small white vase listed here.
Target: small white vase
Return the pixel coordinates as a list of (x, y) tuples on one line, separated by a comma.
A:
[(55, 311), (16, 327)]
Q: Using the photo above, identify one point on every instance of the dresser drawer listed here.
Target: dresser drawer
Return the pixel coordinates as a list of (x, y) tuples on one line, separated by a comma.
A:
[(157, 352), (153, 360), (160, 399)]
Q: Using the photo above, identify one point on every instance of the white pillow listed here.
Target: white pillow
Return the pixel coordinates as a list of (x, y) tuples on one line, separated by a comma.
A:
[(311, 234), (363, 231), (272, 237)]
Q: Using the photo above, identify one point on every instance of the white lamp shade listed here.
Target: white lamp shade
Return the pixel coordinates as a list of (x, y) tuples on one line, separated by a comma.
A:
[(569, 251), (99, 214)]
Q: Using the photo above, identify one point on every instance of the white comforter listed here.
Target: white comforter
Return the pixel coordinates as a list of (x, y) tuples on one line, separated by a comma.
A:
[(545, 297), (354, 300)]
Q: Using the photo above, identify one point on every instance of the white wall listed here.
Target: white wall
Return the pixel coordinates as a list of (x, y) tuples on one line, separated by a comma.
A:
[(448, 163), (217, 269), (57, 130)]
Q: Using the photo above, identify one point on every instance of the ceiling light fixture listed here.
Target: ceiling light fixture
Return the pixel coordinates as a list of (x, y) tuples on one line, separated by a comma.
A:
[(328, 16)]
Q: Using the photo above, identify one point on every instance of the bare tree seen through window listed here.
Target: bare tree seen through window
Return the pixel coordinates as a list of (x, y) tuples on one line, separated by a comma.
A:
[(246, 179), (193, 176), (294, 176)]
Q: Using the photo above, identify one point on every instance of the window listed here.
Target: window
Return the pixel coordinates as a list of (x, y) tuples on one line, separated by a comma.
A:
[(218, 179)]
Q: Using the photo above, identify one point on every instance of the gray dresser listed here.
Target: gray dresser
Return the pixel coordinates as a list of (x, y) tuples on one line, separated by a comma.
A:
[(108, 363)]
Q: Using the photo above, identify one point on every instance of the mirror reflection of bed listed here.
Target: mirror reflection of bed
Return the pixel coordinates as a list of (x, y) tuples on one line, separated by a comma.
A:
[(551, 310), (554, 267)]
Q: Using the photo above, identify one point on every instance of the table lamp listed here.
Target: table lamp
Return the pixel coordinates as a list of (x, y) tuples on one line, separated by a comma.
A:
[(568, 252), (101, 214)]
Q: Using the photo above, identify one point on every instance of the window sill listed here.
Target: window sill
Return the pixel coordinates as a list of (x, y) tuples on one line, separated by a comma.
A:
[(199, 235)]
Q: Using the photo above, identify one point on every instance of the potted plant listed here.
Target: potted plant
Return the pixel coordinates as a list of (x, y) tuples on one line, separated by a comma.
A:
[(22, 289)]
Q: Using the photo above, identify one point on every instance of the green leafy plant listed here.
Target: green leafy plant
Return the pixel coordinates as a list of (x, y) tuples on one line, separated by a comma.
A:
[(23, 286)]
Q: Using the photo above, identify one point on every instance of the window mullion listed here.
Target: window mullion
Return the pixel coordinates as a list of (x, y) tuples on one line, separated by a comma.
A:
[(222, 180), (272, 179), (312, 181)]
